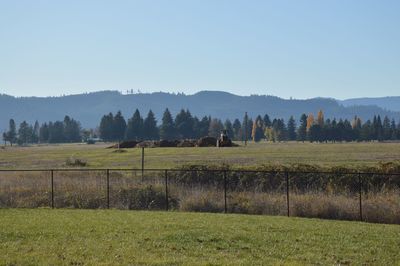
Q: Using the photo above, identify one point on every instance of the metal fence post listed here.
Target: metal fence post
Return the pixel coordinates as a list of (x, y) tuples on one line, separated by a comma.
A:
[(225, 203), (360, 195), (287, 193), (108, 188), (52, 188), (166, 190), (142, 164)]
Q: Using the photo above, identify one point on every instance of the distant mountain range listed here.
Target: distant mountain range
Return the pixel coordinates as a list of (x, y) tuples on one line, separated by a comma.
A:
[(90, 107), (388, 103)]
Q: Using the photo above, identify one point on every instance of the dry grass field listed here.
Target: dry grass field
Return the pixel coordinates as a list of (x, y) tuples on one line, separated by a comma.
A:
[(255, 154)]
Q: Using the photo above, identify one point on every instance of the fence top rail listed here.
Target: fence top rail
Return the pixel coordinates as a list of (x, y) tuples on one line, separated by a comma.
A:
[(196, 170)]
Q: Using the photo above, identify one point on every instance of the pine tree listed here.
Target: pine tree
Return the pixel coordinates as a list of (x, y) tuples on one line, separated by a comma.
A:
[(134, 129), (236, 129), (203, 126), (24, 133), (12, 132), (302, 130), (393, 130), (184, 124), (56, 132), (291, 127), (150, 130), (119, 127), (35, 133), (167, 128), (44, 133), (106, 127), (267, 121), (71, 130), (386, 130), (246, 127), (229, 128)]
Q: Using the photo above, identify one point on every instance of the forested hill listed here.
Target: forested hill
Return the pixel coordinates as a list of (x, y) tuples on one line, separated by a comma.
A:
[(389, 103), (89, 108)]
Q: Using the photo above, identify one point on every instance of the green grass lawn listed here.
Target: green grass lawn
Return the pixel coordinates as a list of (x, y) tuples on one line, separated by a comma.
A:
[(109, 237), (349, 154)]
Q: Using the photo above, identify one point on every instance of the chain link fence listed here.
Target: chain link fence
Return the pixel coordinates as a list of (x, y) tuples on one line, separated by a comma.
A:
[(370, 197)]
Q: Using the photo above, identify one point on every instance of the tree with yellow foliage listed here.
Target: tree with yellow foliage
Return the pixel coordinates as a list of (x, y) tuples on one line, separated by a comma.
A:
[(310, 121), (320, 118)]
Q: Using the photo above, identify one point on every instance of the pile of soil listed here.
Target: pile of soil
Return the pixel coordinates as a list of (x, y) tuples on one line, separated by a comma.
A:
[(202, 142), (187, 143), (207, 142), (125, 144), (169, 143)]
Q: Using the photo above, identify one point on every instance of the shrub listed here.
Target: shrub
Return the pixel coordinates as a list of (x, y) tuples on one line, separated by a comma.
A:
[(144, 198), (71, 161)]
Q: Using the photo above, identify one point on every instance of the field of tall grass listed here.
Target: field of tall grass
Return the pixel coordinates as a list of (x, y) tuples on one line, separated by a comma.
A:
[(329, 195)]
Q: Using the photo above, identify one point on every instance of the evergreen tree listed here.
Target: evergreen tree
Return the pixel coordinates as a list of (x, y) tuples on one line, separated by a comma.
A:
[(12, 132), (72, 130), (203, 126), (302, 130), (56, 132), (267, 121), (249, 128), (106, 127), (44, 133), (386, 129), (246, 127), (229, 128), (184, 124), (25, 133), (367, 131), (393, 130), (119, 127), (35, 133), (291, 127), (236, 129), (315, 133), (279, 129), (150, 130), (134, 129), (167, 128)]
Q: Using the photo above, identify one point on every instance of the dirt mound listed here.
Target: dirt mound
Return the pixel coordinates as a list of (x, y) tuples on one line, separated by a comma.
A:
[(207, 142), (125, 144), (169, 143), (148, 144), (187, 143)]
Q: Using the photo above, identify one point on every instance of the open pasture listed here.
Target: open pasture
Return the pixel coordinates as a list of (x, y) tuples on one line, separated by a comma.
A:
[(255, 154)]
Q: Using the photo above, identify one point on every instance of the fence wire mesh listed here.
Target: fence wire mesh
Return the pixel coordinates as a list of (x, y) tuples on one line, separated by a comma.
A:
[(370, 197)]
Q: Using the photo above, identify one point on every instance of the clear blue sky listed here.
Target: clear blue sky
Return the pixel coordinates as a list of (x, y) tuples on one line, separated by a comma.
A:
[(332, 48)]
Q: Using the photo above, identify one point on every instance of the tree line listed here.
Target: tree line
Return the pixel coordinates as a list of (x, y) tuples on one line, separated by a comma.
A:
[(66, 131), (186, 126)]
